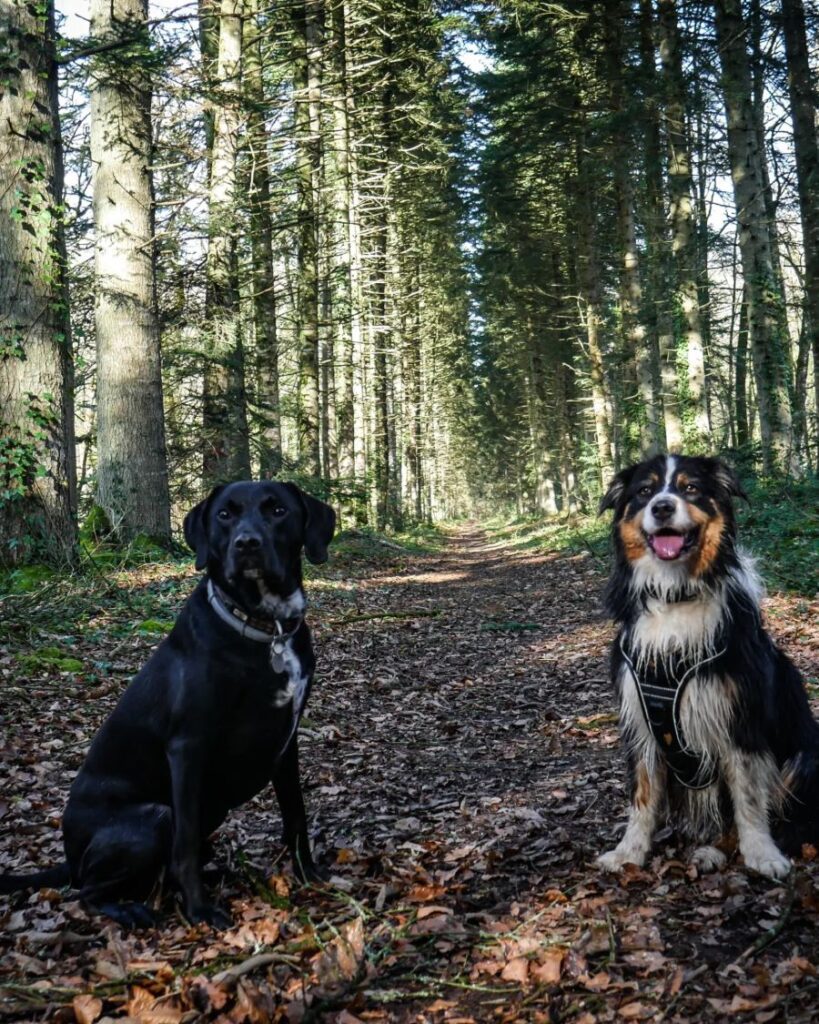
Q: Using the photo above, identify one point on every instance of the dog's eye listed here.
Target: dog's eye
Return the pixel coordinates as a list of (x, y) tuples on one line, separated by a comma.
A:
[(279, 510), (645, 491), (692, 489), (223, 514)]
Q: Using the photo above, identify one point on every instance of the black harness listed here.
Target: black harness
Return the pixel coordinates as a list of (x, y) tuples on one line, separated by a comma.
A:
[(660, 690)]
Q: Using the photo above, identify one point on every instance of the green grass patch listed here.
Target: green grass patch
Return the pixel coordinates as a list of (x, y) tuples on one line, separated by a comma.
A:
[(368, 545), (155, 626), (49, 658), (25, 579), (571, 535)]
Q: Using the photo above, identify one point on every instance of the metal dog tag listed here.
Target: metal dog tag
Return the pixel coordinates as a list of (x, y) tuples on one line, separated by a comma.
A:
[(277, 649)]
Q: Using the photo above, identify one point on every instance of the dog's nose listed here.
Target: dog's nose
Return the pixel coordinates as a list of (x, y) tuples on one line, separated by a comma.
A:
[(245, 542), (663, 509)]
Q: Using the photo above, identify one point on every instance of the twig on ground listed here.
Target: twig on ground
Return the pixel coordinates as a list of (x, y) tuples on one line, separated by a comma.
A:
[(232, 974)]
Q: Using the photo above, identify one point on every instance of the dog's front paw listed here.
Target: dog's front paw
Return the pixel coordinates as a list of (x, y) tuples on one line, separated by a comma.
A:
[(209, 913), (614, 859), (708, 858), (766, 859)]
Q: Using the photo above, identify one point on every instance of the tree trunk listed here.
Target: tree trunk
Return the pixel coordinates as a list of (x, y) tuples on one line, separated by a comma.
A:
[(637, 341), (227, 450), (307, 18), (660, 323), (265, 312), (683, 229), (765, 301), (588, 276), (37, 471), (741, 380), (345, 416), (806, 147), (132, 470)]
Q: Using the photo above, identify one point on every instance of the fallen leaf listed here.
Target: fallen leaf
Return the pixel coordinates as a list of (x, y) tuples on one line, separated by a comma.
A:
[(516, 970), (87, 1008)]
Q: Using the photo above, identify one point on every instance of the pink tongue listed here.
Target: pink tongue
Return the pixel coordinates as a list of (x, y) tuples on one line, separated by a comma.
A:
[(667, 545)]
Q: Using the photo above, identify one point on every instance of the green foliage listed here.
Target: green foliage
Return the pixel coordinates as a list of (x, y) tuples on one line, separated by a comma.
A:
[(781, 527), (49, 658), (140, 550), (571, 535), (25, 579), (154, 626), (96, 527)]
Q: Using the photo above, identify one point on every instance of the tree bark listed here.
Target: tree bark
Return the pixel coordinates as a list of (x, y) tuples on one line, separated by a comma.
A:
[(351, 142), (661, 327), (132, 470), (265, 312), (588, 276), (308, 25), (765, 301), (345, 415), (37, 471), (683, 229), (227, 449), (806, 147), (638, 342)]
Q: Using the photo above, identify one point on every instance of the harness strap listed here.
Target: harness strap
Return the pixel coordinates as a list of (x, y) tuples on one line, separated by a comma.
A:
[(661, 705)]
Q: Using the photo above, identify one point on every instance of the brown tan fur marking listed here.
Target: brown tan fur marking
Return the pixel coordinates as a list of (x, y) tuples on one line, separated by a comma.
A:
[(632, 536), (642, 791), (710, 539)]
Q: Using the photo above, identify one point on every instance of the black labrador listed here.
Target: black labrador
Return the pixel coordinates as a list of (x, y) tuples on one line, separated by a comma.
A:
[(210, 719)]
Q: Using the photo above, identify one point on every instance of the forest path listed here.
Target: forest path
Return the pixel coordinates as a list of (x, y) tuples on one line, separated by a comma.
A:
[(462, 769)]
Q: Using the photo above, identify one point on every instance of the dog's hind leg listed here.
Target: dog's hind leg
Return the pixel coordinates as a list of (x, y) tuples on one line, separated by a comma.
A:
[(646, 801), (752, 780), (123, 861), (287, 783)]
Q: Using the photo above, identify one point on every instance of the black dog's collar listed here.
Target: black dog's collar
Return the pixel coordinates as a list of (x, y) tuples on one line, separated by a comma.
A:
[(246, 625)]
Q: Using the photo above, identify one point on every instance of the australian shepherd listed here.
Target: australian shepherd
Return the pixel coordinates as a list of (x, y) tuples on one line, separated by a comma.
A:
[(714, 717)]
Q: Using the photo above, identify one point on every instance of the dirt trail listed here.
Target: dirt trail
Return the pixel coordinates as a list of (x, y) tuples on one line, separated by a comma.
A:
[(462, 771), (454, 720)]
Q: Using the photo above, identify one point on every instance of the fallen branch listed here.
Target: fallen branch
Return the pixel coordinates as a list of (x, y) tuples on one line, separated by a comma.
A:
[(232, 974)]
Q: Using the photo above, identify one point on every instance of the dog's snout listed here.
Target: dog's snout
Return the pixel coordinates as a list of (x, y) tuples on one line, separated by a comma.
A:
[(663, 509), (247, 542)]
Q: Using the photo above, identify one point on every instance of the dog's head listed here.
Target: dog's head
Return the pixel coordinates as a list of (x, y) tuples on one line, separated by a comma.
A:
[(673, 516), (248, 531)]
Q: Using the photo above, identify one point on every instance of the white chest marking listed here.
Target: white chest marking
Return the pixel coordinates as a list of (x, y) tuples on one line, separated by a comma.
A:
[(294, 693)]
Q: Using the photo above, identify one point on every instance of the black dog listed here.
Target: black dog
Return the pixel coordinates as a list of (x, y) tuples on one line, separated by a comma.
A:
[(210, 719), (714, 716)]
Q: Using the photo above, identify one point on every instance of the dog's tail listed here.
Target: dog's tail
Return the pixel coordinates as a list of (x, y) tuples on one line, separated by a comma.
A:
[(58, 875)]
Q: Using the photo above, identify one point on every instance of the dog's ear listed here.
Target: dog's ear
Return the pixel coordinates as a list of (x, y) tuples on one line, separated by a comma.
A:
[(319, 525), (616, 490), (195, 528), (728, 480)]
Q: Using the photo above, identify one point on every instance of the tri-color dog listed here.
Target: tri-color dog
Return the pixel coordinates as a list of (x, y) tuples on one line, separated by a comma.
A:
[(714, 717)]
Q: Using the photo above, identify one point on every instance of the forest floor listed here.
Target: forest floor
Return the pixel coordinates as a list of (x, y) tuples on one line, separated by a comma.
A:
[(462, 770)]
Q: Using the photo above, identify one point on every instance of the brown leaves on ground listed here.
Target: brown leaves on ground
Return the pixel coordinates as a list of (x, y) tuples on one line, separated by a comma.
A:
[(462, 771)]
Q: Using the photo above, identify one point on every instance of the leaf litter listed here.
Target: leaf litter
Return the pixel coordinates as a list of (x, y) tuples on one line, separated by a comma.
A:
[(462, 770)]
